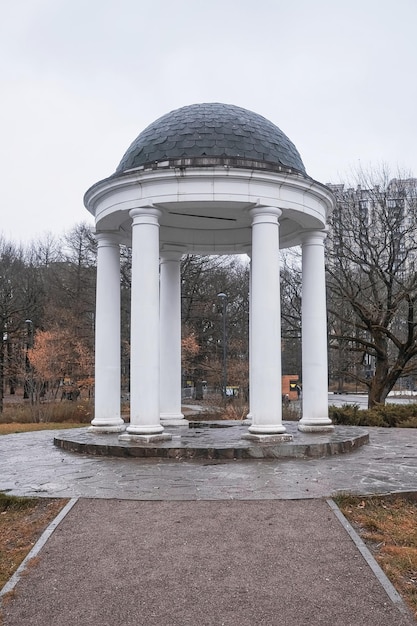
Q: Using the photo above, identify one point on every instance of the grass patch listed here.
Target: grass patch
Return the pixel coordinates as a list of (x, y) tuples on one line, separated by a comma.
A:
[(80, 412), (11, 429), (388, 525), (22, 521), (22, 417), (16, 503)]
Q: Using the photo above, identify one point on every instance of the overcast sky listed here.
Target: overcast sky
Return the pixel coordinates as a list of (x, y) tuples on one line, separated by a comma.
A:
[(80, 79)]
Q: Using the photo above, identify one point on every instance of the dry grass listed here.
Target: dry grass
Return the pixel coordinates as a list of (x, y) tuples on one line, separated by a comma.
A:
[(47, 412), (10, 429), (20, 416), (388, 525), (22, 521), (229, 410)]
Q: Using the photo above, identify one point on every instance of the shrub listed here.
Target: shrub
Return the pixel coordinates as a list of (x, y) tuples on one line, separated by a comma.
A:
[(291, 412), (387, 416)]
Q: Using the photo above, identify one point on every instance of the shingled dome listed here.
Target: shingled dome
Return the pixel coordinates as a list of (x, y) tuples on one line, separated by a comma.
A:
[(203, 133)]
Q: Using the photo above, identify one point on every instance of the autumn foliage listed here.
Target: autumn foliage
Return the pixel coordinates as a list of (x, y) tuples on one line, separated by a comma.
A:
[(189, 350), (58, 355)]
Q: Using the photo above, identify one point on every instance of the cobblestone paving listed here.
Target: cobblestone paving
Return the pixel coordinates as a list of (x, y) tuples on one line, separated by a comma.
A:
[(222, 440), (31, 465)]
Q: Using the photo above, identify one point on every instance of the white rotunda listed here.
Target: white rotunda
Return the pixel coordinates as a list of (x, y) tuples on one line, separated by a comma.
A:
[(207, 179)]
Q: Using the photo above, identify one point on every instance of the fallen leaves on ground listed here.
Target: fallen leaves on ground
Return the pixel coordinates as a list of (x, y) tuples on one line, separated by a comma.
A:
[(22, 521), (388, 525)]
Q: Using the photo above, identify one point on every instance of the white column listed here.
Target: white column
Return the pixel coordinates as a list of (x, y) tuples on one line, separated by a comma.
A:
[(170, 337), (265, 343), (107, 336), (144, 360), (249, 415), (314, 336)]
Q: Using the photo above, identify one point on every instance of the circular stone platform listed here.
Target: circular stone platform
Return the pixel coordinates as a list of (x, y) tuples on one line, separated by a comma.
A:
[(216, 440)]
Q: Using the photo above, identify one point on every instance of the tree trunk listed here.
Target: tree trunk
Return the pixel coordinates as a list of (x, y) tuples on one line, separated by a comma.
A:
[(1, 374), (377, 394), (381, 384)]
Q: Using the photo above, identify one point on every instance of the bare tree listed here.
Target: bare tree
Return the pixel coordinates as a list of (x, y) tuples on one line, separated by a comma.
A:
[(13, 306), (372, 282), (291, 280), (70, 284), (203, 278)]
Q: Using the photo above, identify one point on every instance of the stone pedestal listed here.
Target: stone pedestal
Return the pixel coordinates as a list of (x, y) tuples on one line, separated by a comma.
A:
[(133, 438), (279, 438)]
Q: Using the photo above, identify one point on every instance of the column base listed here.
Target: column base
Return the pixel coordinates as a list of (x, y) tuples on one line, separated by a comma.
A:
[(135, 438), (323, 425), (172, 419), (138, 429), (277, 438), (265, 429), (107, 426)]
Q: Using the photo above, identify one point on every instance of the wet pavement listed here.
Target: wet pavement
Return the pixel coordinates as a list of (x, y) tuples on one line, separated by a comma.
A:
[(361, 399), (30, 464), (224, 439)]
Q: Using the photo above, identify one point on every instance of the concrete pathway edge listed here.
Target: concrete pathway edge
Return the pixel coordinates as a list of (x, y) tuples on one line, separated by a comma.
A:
[(12, 582), (389, 588)]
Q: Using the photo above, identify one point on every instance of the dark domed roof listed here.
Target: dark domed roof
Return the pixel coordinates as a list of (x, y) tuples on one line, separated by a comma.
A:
[(202, 133)]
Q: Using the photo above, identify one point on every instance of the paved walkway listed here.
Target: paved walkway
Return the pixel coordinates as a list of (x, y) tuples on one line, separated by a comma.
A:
[(239, 543), (31, 465)]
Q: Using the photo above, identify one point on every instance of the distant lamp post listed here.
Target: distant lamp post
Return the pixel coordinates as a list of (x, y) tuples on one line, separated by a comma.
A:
[(223, 297)]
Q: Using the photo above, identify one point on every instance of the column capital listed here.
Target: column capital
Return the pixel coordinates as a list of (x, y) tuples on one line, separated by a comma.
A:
[(145, 215), (171, 253), (265, 215), (108, 238), (314, 237)]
